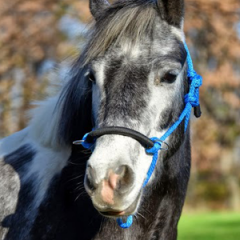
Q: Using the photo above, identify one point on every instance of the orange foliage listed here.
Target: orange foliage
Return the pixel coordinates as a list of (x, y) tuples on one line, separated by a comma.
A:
[(210, 26)]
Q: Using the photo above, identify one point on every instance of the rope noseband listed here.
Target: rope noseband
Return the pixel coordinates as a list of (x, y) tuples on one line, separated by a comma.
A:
[(153, 145)]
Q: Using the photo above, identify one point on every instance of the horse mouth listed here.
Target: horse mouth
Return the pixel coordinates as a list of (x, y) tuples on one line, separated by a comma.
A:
[(128, 211)]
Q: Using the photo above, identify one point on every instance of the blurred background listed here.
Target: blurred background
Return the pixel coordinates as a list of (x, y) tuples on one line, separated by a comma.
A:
[(37, 35)]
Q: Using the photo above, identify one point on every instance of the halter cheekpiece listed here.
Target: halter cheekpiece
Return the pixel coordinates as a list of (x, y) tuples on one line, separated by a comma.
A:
[(154, 144)]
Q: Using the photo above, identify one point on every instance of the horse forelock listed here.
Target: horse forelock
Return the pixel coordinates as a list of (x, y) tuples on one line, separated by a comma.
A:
[(122, 23)]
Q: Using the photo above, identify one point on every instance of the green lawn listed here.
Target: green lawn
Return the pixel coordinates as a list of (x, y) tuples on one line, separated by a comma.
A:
[(209, 226)]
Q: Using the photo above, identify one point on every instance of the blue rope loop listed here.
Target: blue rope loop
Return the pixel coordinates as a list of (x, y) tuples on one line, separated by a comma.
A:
[(156, 147), (127, 224), (86, 144), (154, 150)]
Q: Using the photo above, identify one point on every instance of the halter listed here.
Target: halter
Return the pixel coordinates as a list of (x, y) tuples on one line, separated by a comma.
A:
[(154, 144)]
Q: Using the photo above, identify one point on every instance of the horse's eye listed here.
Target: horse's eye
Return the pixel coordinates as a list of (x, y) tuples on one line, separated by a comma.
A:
[(169, 77), (91, 77)]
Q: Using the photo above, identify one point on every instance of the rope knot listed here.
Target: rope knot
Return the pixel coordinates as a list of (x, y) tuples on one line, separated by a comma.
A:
[(195, 79), (191, 73), (193, 96), (156, 147), (192, 99)]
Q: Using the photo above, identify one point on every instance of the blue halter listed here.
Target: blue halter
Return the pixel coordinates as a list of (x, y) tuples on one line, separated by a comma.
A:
[(191, 99)]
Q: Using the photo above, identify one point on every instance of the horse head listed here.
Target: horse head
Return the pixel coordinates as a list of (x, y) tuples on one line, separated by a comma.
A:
[(132, 73)]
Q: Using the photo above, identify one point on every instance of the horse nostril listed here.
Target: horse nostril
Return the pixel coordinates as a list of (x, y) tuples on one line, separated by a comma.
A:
[(121, 170), (125, 179), (89, 180)]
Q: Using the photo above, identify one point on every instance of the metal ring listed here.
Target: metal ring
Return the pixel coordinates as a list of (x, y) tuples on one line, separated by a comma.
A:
[(166, 148), (167, 145), (78, 142)]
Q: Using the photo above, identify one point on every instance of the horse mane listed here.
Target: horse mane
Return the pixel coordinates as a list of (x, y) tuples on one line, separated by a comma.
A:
[(125, 22)]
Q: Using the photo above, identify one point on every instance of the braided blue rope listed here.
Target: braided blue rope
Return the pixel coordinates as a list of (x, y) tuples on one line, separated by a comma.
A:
[(191, 100), (154, 150)]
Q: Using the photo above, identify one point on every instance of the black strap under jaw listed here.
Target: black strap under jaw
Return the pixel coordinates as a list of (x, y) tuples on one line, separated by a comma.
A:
[(142, 139)]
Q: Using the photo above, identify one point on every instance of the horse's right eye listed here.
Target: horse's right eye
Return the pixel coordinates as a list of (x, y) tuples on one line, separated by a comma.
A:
[(91, 77), (169, 77)]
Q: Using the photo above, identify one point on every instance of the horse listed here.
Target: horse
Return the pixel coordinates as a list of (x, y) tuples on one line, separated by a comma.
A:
[(131, 74)]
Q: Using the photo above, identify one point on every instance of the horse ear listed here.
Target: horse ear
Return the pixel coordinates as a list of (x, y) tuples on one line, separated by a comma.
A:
[(97, 7), (172, 11)]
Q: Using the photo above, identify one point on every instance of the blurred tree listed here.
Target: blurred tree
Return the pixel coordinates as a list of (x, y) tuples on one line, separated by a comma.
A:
[(29, 36), (25, 41), (213, 32)]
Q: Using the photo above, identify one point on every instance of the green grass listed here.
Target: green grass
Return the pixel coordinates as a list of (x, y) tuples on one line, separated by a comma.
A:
[(209, 226)]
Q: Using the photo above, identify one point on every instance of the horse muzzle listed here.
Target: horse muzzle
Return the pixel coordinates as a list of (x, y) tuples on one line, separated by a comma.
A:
[(109, 195)]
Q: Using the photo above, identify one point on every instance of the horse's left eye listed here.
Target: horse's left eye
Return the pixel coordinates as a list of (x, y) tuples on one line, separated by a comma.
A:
[(169, 77), (91, 77)]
